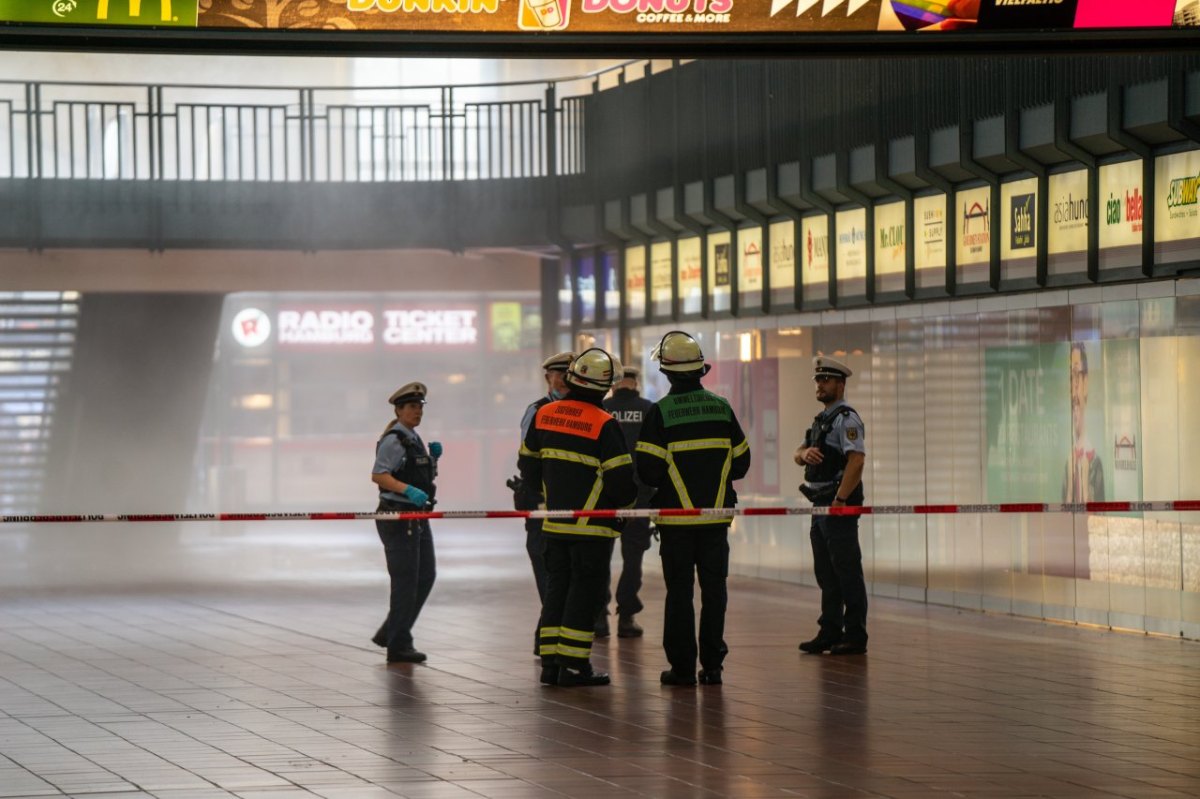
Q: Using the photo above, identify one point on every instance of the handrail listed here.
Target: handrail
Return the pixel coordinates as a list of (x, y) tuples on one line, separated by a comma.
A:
[(291, 87)]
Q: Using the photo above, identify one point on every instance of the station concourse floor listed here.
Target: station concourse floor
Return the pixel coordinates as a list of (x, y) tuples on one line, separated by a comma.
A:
[(205, 661)]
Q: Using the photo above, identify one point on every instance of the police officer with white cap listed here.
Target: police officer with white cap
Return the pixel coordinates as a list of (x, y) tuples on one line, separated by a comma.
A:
[(405, 472), (833, 456)]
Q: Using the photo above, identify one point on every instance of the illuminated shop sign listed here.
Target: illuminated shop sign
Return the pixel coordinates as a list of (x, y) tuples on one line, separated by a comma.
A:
[(605, 16), (438, 327), (358, 327)]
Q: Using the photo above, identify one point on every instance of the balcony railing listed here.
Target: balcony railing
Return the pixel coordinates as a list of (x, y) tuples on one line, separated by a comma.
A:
[(112, 131)]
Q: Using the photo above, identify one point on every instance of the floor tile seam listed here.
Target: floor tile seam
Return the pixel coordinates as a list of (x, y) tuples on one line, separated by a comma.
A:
[(962, 627), (99, 767)]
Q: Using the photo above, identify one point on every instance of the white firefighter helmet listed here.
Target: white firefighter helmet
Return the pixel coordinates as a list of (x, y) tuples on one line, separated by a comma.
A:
[(678, 352), (593, 369)]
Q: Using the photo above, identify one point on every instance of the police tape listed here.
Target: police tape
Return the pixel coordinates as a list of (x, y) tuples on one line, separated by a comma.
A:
[(1165, 506)]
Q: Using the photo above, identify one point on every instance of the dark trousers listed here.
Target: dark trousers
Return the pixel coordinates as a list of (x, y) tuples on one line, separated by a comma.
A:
[(408, 546), (576, 579), (535, 547), (694, 553), (837, 561), (635, 540)]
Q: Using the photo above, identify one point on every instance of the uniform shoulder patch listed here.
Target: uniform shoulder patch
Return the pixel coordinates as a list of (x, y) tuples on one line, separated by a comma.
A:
[(694, 406), (572, 418), (852, 433)]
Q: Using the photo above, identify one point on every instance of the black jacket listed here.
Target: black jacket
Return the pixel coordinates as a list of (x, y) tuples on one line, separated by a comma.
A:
[(575, 451), (691, 449)]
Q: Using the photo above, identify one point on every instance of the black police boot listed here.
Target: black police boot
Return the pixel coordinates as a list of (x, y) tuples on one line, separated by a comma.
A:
[(710, 676), (822, 643), (849, 648), (380, 637), (409, 655), (569, 677), (601, 626), (627, 627), (672, 677), (549, 675)]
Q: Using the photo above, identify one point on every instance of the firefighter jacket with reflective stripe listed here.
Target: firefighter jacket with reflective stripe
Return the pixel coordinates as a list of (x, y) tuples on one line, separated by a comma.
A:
[(575, 451), (691, 449)]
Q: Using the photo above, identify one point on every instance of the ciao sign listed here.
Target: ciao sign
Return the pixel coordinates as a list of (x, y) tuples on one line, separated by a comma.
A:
[(352, 327)]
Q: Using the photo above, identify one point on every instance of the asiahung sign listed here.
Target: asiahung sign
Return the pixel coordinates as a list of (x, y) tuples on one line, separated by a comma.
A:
[(593, 16)]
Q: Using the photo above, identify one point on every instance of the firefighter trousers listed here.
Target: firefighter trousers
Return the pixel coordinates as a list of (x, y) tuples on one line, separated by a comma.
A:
[(576, 582)]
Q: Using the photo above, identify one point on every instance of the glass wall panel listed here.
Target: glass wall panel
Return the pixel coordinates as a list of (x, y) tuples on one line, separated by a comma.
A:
[(1097, 401)]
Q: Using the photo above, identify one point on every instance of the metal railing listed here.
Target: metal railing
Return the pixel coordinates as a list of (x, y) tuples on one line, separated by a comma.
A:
[(121, 131)]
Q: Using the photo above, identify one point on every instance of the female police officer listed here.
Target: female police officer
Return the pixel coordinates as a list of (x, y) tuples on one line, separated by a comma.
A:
[(405, 471)]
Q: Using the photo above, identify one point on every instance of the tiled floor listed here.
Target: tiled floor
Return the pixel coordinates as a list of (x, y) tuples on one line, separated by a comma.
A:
[(214, 664)]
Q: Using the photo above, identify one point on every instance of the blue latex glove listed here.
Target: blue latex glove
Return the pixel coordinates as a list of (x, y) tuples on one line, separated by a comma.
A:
[(435, 449), (416, 496)]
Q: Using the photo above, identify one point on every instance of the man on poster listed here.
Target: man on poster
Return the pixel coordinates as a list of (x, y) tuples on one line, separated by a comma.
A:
[(1083, 480)]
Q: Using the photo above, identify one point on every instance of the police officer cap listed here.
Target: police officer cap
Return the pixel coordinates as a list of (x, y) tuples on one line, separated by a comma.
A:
[(409, 392), (824, 365), (632, 373), (559, 362)]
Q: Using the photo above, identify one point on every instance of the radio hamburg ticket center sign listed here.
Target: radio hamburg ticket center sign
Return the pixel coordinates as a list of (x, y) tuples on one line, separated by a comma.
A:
[(358, 327)]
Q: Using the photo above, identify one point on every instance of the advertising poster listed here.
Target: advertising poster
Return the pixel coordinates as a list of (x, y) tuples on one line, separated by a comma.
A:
[(635, 282), (890, 251), (1187, 14), (1121, 218), (688, 252), (505, 320), (973, 208), (851, 251), (586, 287), (782, 237), (750, 267), (610, 284), (1063, 424), (814, 256), (1177, 214), (929, 216), (660, 278), (1018, 221), (720, 270), (1068, 222)]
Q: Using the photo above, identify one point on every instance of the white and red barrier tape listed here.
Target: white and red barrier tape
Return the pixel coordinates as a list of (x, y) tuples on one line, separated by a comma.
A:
[(874, 510)]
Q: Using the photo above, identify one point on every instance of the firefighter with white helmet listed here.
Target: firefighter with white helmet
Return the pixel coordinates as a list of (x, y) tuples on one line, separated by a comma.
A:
[(575, 451), (690, 450)]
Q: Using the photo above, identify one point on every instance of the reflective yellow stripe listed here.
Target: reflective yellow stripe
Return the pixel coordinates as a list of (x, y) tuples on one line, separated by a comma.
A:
[(652, 449), (741, 448), (698, 443), (549, 632), (577, 635), (548, 649), (549, 526), (574, 457), (720, 500), (620, 460), (532, 453), (593, 498), (574, 651), (685, 501), (679, 521)]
